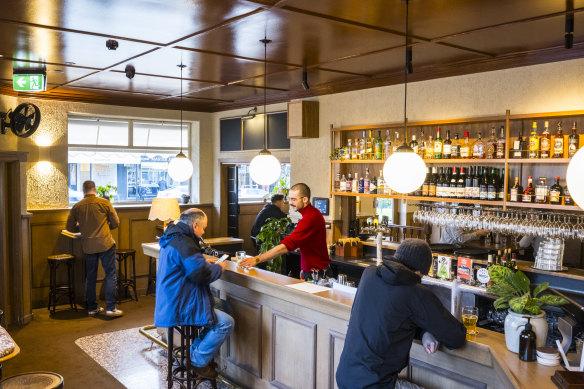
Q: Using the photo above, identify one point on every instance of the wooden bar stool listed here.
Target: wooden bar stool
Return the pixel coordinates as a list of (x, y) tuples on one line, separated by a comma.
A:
[(180, 368), (151, 276), (123, 280), (55, 290), (36, 380)]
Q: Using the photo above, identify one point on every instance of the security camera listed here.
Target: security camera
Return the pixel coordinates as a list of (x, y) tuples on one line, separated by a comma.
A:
[(305, 81), (111, 44), (130, 71)]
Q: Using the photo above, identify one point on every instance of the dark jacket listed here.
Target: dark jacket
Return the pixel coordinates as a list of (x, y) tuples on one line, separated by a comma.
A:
[(183, 295), (390, 308), (269, 210)]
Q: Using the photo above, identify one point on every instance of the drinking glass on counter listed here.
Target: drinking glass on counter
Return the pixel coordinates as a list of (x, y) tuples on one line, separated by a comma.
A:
[(470, 316), (240, 256)]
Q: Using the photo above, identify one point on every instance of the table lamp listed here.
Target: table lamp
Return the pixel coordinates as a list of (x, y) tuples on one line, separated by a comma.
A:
[(164, 209)]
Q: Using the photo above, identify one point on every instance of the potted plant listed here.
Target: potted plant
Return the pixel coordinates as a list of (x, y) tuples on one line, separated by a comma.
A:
[(282, 186), (270, 236), (106, 191), (514, 292)]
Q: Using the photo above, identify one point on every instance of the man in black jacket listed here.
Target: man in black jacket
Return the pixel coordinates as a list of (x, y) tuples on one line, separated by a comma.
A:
[(392, 307), (271, 209)]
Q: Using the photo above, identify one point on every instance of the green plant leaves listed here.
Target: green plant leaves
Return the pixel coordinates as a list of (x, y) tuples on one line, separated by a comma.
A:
[(500, 274), (519, 281), (501, 290), (518, 303), (270, 236), (501, 302), (552, 299), (540, 288)]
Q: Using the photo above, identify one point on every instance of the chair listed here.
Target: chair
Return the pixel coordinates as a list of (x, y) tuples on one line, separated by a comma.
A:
[(123, 280), (55, 291), (180, 368)]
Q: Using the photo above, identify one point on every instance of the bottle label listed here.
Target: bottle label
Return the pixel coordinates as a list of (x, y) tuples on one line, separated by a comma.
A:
[(540, 194), (447, 149), (425, 189), (460, 192), (513, 196), (492, 194), (559, 146), (527, 198), (464, 152), (437, 147), (533, 147), (483, 275), (554, 196), (500, 151)]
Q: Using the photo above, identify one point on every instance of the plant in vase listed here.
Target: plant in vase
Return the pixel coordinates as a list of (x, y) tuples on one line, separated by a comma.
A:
[(282, 187), (270, 236), (106, 191), (514, 292)]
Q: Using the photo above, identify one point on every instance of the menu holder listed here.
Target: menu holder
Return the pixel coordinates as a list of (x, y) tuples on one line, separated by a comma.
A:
[(568, 379)]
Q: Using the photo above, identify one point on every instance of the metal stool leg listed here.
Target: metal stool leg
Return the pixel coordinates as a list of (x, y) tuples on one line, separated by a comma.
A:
[(170, 343), (134, 276), (71, 277)]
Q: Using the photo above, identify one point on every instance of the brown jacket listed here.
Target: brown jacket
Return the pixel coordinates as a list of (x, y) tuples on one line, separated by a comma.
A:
[(94, 217)]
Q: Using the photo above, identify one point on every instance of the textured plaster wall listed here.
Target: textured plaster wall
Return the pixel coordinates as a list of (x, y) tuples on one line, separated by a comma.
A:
[(47, 185)]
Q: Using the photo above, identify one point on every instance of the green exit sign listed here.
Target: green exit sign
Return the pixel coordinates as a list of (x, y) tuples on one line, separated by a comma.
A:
[(29, 82)]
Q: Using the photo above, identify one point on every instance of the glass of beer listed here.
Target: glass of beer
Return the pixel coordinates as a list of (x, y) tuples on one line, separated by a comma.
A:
[(470, 316)]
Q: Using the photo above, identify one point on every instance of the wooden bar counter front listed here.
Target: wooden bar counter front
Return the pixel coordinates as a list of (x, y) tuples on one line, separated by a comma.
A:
[(288, 338)]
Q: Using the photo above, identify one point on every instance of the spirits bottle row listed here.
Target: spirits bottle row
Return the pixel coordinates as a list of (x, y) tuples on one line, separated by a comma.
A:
[(364, 184), (545, 145), (475, 182), (540, 192)]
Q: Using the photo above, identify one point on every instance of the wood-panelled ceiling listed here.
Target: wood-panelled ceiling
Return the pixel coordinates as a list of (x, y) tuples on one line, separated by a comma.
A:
[(342, 44)]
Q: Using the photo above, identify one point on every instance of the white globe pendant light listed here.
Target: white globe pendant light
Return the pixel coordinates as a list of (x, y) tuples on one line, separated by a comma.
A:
[(575, 178), (180, 167), (264, 168), (405, 171)]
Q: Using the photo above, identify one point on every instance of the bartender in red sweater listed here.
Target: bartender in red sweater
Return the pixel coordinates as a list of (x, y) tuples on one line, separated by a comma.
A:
[(309, 236)]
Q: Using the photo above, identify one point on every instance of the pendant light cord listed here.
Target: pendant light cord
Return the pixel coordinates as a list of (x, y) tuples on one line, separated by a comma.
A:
[(181, 103), (406, 78), (265, 41)]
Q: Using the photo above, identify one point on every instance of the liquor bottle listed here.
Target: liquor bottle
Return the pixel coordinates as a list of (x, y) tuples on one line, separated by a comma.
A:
[(556, 192), (349, 184), (380, 183), (484, 185), (529, 194), (465, 147), (476, 184), (573, 142), (542, 191), (355, 151), (387, 148), (501, 185), (559, 143), (355, 185), (363, 147), (447, 147), (438, 145), (460, 184), (453, 187), (396, 143), (492, 186), (478, 148), (500, 148), (432, 185), (519, 146), (545, 142), (567, 197), (514, 261), (455, 147), (468, 183), (361, 184), (516, 192), (421, 145), (349, 153), (378, 146), (343, 184), (366, 182), (534, 142), (338, 182), (426, 183), (373, 186), (414, 144), (429, 148), (491, 145), (440, 183)]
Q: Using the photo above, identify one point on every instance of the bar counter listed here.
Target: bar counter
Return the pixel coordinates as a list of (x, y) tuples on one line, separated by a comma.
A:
[(285, 337)]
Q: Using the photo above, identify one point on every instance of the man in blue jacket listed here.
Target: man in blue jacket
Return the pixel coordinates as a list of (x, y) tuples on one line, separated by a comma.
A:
[(390, 309), (183, 295)]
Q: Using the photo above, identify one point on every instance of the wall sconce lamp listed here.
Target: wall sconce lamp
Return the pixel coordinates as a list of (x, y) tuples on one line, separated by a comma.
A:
[(250, 114), (44, 163)]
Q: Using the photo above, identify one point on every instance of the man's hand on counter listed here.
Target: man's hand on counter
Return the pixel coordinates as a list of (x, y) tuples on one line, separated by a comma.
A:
[(430, 343), (250, 261)]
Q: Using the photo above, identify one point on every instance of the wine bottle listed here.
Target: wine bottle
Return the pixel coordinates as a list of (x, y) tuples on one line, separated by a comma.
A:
[(556, 192), (465, 147), (476, 184), (349, 183), (447, 148), (492, 186), (432, 185), (387, 148), (573, 142), (501, 184), (438, 145), (378, 146), (519, 146), (516, 191), (545, 142), (455, 147), (453, 184), (426, 183), (460, 184), (500, 150), (559, 143), (468, 184), (484, 185)]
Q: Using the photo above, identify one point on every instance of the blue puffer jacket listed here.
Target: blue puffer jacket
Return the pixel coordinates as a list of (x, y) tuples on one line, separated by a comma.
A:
[(183, 296)]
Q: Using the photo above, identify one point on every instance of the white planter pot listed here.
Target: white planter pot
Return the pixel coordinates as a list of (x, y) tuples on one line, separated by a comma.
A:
[(515, 323)]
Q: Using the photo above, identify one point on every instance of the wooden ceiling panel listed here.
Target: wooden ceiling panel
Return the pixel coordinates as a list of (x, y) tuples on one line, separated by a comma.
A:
[(296, 39), (146, 20), (39, 44)]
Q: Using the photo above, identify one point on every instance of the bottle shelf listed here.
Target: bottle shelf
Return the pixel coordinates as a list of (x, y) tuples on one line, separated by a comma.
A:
[(359, 161), (422, 198), (544, 206), (471, 161), (539, 160)]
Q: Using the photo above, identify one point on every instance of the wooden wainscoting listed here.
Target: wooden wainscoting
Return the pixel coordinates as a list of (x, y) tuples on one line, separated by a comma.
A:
[(134, 229)]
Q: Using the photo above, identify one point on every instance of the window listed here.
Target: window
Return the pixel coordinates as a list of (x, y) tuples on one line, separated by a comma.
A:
[(131, 155), (249, 191)]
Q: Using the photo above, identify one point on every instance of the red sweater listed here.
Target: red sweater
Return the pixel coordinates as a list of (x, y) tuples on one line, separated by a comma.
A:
[(310, 237)]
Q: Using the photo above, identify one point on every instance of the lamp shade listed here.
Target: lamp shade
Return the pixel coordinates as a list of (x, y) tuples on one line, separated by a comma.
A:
[(575, 178), (404, 171), (164, 209), (264, 168), (180, 168)]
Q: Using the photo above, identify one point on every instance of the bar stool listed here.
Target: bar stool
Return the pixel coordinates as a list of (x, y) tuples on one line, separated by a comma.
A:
[(151, 275), (123, 281), (55, 290), (180, 368), (36, 380)]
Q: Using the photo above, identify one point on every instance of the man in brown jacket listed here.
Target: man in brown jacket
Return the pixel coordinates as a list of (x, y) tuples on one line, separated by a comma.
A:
[(95, 217)]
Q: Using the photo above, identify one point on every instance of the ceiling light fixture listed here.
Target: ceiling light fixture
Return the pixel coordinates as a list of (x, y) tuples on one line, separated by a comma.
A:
[(250, 114), (405, 171), (180, 168), (569, 25), (264, 168), (304, 82)]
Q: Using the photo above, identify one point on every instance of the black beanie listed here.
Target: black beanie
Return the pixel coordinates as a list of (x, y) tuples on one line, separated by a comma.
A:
[(415, 254)]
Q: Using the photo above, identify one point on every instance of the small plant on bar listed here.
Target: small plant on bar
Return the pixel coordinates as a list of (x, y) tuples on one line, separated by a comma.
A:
[(105, 191), (270, 236)]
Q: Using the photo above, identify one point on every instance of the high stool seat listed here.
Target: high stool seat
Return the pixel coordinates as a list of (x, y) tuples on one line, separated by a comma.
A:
[(68, 289), (123, 280), (36, 380), (180, 368)]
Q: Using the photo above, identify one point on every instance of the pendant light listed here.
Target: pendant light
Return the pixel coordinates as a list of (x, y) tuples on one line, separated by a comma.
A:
[(180, 168), (574, 178), (264, 168), (405, 171)]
